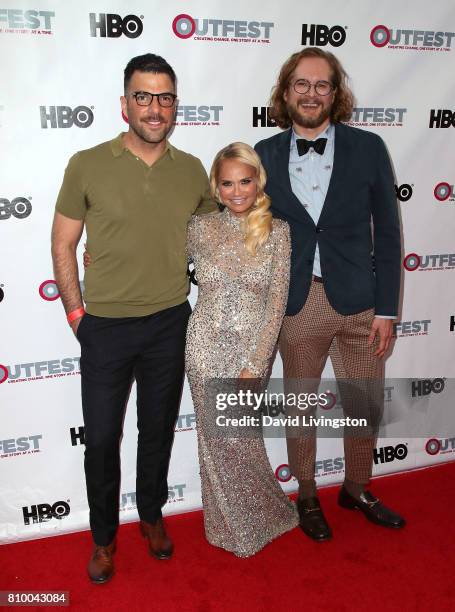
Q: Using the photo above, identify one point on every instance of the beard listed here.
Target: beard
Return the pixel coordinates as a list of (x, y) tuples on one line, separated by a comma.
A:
[(305, 121), (145, 133)]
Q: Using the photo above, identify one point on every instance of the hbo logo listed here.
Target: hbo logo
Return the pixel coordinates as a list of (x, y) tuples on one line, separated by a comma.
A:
[(442, 118), (425, 387), (386, 454), (19, 208), (45, 512), (322, 35), (113, 26), (65, 117), (404, 192)]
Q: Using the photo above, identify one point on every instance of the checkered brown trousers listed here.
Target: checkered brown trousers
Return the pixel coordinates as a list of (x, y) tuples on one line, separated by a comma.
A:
[(306, 340)]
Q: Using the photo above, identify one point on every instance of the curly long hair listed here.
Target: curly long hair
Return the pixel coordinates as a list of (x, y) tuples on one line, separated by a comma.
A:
[(344, 98), (258, 222)]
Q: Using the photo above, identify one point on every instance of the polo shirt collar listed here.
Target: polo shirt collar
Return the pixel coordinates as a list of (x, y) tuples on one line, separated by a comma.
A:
[(117, 147)]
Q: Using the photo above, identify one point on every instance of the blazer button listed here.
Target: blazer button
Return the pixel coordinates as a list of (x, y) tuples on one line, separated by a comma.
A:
[(319, 230)]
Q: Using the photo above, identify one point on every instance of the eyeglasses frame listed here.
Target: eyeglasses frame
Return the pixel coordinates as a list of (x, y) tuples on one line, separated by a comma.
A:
[(134, 95)]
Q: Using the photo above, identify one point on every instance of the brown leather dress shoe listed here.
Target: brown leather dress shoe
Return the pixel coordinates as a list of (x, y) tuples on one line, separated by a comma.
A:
[(372, 508), (312, 520), (160, 545), (101, 565)]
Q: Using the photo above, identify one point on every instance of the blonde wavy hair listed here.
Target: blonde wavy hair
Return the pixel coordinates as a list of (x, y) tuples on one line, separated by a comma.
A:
[(258, 222)]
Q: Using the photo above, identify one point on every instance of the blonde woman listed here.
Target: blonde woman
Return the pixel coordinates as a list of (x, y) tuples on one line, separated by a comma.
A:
[(242, 259)]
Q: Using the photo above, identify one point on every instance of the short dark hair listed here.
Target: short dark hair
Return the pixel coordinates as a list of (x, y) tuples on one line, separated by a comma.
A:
[(344, 98), (148, 63)]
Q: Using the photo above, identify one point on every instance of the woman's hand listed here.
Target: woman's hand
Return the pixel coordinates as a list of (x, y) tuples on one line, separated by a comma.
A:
[(245, 373), (86, 257)]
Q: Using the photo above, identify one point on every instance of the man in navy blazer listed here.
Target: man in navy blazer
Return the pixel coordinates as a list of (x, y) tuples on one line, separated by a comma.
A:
[(334, 185)]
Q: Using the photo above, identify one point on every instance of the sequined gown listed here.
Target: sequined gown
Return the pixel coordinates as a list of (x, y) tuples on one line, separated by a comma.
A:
[(235, 324)]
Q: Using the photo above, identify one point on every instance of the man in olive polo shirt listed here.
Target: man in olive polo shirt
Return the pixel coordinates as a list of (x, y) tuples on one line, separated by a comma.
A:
[(135, 195)]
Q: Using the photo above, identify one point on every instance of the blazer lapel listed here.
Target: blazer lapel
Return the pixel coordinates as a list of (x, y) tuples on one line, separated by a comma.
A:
[(341, 159), (290, 204)]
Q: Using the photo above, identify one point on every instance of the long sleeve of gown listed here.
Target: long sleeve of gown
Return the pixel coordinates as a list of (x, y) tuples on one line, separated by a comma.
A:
[(191, 238), (275, 307)]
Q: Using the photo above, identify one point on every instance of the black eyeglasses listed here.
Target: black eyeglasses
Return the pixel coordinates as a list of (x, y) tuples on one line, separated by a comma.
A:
[(145, 98), (322, 88)]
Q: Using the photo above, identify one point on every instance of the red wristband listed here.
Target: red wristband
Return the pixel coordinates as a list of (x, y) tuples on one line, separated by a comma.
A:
[(75, 314)]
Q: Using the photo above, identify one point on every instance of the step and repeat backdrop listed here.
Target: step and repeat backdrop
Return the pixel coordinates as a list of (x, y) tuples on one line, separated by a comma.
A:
[(62, 74)]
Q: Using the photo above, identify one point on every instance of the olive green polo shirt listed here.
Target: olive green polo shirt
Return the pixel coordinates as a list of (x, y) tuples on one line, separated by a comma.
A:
[(135, 217)]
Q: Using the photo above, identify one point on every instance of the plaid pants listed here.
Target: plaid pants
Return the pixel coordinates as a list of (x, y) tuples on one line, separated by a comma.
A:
[(306, 340)]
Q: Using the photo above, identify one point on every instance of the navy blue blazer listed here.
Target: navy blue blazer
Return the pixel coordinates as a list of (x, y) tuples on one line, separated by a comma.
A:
[(358, 231)]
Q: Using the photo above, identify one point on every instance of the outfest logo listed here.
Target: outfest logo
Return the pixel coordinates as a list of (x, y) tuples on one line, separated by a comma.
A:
[(221, 30), (405, 329), (377, 116), (186, 422), (198, 115), (409, 39), (23, 445), (18, 21), (176, 493), (429, 263), (335, 402), (283, 473), (444, 192), (48, 290), (39, 370), (323, 467), (434, 446)]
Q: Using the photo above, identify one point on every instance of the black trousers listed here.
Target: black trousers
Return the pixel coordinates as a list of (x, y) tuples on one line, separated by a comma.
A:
[(114, 352)]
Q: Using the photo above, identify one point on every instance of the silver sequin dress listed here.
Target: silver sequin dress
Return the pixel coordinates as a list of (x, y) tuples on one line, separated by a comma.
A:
[(235, 325)]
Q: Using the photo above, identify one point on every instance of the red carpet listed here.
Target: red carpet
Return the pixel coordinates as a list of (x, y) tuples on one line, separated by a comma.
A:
[(364, 567)]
